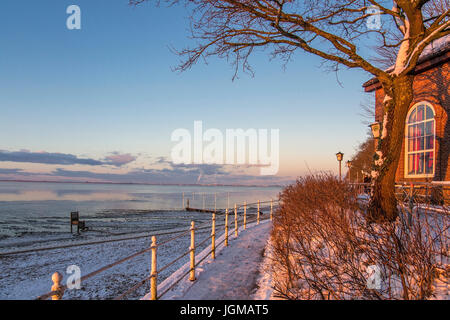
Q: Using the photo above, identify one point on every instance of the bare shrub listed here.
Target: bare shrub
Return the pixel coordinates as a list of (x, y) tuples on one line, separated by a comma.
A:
[(325, 249)]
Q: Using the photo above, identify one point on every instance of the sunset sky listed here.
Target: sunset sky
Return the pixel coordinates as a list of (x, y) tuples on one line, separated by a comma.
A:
[(100, 103)]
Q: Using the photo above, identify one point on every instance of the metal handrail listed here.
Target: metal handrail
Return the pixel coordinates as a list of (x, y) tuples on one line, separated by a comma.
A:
[(197, 263), (142, 282), (139, 284)]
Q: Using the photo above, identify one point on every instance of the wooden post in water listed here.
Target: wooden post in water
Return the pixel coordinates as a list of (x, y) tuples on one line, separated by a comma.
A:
[(57, 287), (235, 221), (226, 227), (154, 272), (257, 219), (192, 273), (245, 215), (213, 236), (182, 206)]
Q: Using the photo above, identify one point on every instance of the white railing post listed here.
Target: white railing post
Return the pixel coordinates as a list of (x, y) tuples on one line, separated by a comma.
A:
[(235, 221), (245, 215), (213, 237), (258, 214), (226, 227), (57, 287), (154, 272), (192, 273)]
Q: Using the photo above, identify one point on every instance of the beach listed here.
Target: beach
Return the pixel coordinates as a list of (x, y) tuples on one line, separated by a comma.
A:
[(39, 230)]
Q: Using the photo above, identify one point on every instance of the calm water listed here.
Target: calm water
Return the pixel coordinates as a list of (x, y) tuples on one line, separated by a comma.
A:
[(29, 209)]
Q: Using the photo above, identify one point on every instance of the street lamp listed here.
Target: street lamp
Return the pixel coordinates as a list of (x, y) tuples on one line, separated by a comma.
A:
[(339, 157), (349, 165)]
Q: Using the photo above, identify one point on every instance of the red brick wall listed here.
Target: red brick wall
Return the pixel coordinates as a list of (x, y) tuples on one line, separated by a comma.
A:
[(432, 86)]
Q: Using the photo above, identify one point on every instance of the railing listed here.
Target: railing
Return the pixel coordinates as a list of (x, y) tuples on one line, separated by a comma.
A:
[(57, 290), (416, 193)]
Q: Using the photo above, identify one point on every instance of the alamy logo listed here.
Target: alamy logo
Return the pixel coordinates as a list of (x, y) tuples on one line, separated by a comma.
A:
[(213, 147), (74, 20), (374, 19), (74, 280)]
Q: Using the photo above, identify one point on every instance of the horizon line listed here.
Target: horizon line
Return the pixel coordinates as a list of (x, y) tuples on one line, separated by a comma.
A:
[(145, 183)]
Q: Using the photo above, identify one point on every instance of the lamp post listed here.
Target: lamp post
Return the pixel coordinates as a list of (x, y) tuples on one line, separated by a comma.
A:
[(339, 157), (376, 128), (349, 165)]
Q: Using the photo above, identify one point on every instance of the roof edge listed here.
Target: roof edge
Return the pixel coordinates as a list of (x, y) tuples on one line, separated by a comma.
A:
[(425, 63)]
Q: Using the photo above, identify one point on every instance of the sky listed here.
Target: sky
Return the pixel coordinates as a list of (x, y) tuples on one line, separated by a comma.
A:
[(101, 103)]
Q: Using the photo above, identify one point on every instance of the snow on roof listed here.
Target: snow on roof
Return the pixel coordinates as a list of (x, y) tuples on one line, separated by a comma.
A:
[(436, 46)]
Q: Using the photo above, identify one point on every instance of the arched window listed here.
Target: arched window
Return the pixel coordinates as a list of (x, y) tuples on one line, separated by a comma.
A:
[(420, 141)]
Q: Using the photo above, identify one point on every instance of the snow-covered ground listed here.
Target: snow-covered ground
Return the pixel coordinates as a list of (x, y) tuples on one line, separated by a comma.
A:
[(234, 274), (265, 282), (28, 275)]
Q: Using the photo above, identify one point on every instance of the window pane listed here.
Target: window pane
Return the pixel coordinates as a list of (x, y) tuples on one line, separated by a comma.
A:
[(419, 163), (429, 128), (420, 113), (412, 117), (429, 142), (430, 113), (419, 144), (411, 168), (420, 131), (429, 162), (411, 131), (411, 145)]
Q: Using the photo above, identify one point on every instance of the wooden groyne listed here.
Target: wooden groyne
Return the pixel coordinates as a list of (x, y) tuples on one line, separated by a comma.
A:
[(199, 210)]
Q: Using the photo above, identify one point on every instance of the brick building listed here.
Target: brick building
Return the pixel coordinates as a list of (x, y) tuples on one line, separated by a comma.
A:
[(426, 147)]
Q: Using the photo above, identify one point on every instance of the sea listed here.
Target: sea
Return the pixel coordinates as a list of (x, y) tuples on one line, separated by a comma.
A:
[(39, 209)]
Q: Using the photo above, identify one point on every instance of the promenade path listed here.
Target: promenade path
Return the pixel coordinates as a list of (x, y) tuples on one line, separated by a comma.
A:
[(234, 274)]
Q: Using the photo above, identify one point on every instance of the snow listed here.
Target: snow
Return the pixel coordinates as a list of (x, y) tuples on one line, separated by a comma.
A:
[(436, 45), (402, 56), (265, 283), (363, 196), (28, 275), (232, 275)]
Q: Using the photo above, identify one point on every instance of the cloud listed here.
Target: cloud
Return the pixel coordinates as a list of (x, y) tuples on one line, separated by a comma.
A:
[(46, 158), (11, 171), (168, 173), (118, 160), (115, 158), (170, 176)]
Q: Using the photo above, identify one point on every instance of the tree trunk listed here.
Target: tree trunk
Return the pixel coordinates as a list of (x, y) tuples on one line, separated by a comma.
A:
[(399, 96)]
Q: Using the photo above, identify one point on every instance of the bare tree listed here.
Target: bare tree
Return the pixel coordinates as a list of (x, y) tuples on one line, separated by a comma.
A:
[(323, 248), (337, 31), (361, 162)]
